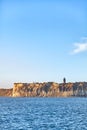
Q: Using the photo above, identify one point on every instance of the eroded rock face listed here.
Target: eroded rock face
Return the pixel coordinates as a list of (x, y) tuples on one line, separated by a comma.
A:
[(46, 89), (6, 92), (36, 89), (49, 89)]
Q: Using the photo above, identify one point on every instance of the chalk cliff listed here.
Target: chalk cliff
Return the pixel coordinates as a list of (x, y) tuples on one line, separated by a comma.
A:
[(46, 89)]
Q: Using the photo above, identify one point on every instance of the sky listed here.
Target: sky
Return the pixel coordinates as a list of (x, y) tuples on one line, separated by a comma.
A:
[(42, 41)]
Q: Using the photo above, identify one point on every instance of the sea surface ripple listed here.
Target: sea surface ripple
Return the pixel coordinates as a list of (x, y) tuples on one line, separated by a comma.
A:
[(43, 113)]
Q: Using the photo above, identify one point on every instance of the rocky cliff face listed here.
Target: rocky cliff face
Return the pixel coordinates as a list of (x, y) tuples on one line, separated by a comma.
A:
[(49, 89), (6, 92), (35, 89)]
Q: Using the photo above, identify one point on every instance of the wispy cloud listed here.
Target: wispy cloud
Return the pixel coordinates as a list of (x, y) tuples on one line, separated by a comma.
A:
[(80, 46)]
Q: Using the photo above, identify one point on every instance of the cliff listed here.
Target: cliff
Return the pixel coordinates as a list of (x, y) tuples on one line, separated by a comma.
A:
[(6, 92), (49, 89), (46, 89)]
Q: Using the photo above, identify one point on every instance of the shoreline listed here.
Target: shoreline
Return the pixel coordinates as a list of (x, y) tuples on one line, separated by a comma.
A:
[(46, 89)]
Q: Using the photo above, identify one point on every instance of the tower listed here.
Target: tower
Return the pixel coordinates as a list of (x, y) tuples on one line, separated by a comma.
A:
[(64, 80)]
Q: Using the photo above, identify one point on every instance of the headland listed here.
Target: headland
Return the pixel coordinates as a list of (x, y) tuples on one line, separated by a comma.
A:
[(46, 89)]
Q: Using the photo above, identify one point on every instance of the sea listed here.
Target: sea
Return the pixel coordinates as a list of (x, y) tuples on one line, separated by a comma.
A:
[(43, 113)]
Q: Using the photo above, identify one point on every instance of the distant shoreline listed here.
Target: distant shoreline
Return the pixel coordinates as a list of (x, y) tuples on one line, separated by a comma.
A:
[(46, 89)]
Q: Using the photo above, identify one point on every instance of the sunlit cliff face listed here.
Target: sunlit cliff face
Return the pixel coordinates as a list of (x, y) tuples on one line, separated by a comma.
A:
[(50, 89), (46, 89)]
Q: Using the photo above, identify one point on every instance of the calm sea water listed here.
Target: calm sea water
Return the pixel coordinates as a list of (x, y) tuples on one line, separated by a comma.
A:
[(43, 113)]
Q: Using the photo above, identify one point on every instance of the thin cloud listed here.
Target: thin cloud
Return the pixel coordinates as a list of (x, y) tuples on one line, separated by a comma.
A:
[(80, 47)]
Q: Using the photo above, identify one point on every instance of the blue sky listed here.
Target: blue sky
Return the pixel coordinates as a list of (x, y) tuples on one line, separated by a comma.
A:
[(43, 40)]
